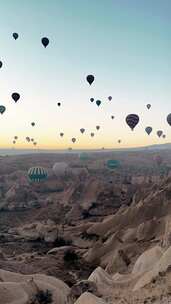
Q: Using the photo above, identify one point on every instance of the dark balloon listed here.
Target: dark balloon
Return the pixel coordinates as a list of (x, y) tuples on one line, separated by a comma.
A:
[(148, 130), (32, 139), (15, 137), (98, 103), (28, 139), (61, 134), (164, 136), (112, 117), (119, 141), (59, 104), (98, 127), (45, 41), (33, 124), (15, 96), (90, 79), (37, 174), (15, 36), (92, 134), (169, 119), (110, 98), (73, 140), (2, 109), (14, 142), (91, 99), (1, 64), (159, 133), (35, 143), (82, 130), (148, 106), (132, 120)]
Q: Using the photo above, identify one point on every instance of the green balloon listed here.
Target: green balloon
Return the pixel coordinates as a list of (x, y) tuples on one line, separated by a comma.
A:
[(113, 164), (37, 174)]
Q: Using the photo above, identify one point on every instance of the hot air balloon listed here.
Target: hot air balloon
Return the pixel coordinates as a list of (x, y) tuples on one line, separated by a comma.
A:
[(33, 124), (61, 134), (59, 104), (15, 96), (148, 106), (91, 99), (97, 127), (73, 140), (90, 79), (37, 174), (113, 164), (82, 130), (2, 109), (15, 137), (15, 36), (60, 168), (1, 64), (112, 117), (35, 143), (83, 156), (14, 142), (92, 134), (45, 41), (32, 139), (159, 133), (110, 98), (119, 141), (132, 120), (28, 139), (164, 136), (148, 130), (169, 119), (98, 103)]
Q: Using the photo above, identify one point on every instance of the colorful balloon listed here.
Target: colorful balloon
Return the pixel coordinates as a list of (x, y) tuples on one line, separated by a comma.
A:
[(113, 164), (90, 79), (132, 120), (37, 174)]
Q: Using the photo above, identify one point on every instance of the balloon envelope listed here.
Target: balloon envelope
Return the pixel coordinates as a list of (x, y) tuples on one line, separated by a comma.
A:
[(90, 79), (132, 120), (98, 103), (15, 96), (60, 168), (98, 127), (110, 98), (82, 130), (45, 41), (159, 133), (148, 106), (1, 64), (91, 99), (15, 36), (169, 119), (113, 164), (73, 140), (2, 109), (37, 174), (148, 130)]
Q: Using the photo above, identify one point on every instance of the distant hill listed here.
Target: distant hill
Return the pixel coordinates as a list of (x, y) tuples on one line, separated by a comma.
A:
[(13, 151)]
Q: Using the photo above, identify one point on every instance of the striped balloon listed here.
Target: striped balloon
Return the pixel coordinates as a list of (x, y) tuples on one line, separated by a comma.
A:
[(132, 120), (37, 174)]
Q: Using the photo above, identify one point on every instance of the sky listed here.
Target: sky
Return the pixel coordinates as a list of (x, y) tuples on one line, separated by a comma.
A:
[(125, 44)]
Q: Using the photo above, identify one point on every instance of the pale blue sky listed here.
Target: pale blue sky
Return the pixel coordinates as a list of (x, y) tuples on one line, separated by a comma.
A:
[(125, 44)]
